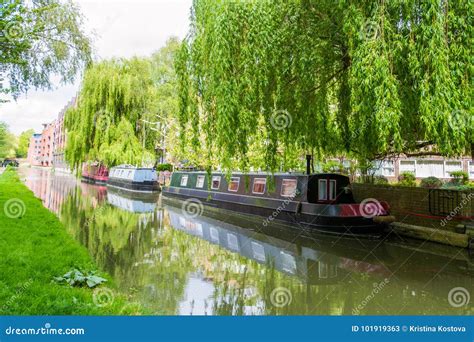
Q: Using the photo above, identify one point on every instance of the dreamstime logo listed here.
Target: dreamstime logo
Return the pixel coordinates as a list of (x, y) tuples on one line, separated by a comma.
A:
[(377, 287), (458, 297), (281, 297), (102, 120), (281, 119), (192, 208), (456, 211), (14, 208), (370, 208), (17, 294), (103, 296), (369, 30), (13, 30)]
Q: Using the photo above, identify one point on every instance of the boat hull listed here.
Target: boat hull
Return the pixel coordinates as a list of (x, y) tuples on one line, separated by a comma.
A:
[(302, 216), (94, 180), (146, 186)]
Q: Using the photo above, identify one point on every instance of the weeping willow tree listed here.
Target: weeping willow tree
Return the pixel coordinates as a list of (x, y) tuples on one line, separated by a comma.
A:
[(107, 123), (124, 110), (261, 83)]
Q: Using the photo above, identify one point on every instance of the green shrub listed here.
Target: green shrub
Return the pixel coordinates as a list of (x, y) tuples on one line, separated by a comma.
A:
[(406, 179), (431, 182), (459, 178), (164, 167), (380, 180)]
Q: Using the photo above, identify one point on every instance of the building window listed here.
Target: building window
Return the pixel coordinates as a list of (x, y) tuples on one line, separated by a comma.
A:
[(384, 168), (407, 166), (451, 166), (322, 190), (216, 182), (259, 185), (332, 189), (234, 184), (184, 180), (200, 181), (429, 168), (288, 188), (470, 167)]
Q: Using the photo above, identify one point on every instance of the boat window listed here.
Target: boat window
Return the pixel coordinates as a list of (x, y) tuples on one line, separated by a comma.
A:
[(323, 190), (288, 188), (332, 189), (200, 181), (234, 184), (259, 185), (184, 180), (216, 182)]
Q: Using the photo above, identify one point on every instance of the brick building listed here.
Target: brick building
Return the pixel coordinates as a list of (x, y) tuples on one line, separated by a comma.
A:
[(47, 144), (34, 150)]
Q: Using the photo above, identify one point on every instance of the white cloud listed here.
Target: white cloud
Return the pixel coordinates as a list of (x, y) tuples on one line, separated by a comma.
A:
[(122, 28)]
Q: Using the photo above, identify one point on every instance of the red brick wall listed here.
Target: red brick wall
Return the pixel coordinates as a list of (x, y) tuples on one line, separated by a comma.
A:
[(411, 205)]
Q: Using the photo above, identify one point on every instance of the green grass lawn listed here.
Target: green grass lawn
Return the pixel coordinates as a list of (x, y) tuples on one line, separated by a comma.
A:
[(34, 248)]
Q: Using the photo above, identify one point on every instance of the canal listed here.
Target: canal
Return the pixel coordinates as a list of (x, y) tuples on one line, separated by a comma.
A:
[(170, 262)]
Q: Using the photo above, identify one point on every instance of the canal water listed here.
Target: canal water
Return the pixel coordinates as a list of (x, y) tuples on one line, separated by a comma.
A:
[(172, 262)]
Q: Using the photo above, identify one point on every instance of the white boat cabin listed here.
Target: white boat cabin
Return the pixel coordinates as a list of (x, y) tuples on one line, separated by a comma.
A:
[(133, 174)]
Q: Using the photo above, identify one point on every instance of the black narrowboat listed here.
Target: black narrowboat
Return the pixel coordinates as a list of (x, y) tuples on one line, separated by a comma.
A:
[(321, 202)]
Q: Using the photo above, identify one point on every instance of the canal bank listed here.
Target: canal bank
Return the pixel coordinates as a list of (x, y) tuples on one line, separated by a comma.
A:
[(440, 215), (34, 249)]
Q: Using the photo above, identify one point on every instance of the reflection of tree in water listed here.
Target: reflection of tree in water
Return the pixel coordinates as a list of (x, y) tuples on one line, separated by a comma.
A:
[(152, 262)]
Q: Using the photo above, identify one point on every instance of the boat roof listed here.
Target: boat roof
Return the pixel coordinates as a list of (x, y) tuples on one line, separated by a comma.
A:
[(256, 173), (127, 166)]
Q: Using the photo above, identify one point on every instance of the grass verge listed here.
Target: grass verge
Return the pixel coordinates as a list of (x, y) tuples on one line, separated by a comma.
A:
[(35, 248)]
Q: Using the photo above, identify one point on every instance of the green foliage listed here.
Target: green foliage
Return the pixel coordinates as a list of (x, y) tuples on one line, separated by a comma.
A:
[(39, 39), (332, 166), (123, 111), (406, 179), (23, 142), (459, 177), (164, 167), (7, 142), (431, 182), (380, 180), (3, 139), (78, 278), (273, 80)]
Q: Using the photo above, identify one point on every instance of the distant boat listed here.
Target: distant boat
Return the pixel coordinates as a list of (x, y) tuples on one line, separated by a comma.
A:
[(321, 202), (95, 173), (132, 178)]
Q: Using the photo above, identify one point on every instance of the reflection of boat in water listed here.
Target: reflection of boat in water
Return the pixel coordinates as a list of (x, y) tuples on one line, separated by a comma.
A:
[(131, 178), (329, 260), (312, 266), (133, 202)]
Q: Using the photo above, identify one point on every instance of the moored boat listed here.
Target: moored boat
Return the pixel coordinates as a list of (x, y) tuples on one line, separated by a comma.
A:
[(322, 202), (95, 173), (132, 178)]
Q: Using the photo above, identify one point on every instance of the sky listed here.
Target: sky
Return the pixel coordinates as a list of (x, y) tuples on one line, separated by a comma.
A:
[(120, 28)]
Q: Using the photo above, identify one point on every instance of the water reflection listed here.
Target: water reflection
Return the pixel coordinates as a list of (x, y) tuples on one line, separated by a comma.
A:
[(174, 264)]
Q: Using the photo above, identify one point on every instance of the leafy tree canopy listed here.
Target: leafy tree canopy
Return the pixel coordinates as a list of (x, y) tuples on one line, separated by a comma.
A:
[(259, 80), (40, 39), (7, 142), (23, 142), (122, 110)]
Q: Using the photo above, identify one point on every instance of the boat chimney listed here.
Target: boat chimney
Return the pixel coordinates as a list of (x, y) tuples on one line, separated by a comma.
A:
[(309, 157)]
